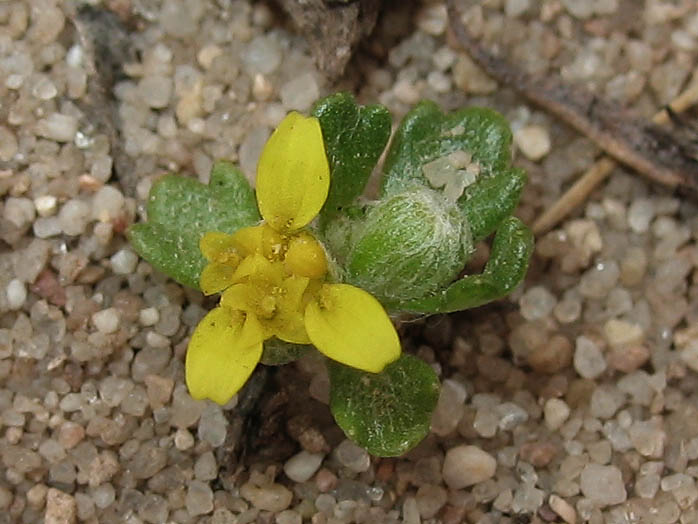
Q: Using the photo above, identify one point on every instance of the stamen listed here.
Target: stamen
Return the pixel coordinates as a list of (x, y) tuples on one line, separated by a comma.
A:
[(267, 306)]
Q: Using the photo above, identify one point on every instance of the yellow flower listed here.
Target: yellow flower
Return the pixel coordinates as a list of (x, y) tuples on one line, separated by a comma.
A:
[(273, 278)]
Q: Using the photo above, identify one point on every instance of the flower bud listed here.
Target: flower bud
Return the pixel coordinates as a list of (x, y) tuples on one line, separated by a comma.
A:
[(409, 246)]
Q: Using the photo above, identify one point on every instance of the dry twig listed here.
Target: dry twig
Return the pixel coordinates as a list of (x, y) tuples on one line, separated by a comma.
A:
[(647, 148), (597, 173)]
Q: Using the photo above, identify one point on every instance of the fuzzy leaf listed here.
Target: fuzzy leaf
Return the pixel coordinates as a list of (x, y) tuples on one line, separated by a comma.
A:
[(386, 413), (181, 210), (506, 268), (355, 137), (426, 134)]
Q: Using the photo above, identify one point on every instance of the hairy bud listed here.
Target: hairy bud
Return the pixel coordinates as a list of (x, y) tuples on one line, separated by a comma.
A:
[(408, 246)]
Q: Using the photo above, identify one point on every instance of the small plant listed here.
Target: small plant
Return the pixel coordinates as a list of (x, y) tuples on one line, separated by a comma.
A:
[(307, 262)]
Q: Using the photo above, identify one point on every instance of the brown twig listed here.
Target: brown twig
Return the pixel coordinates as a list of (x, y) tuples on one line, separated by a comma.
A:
[(641, 145), (598, 172)]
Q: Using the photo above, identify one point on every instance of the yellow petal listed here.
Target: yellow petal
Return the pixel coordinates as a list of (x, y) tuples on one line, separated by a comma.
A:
[(238, 296), (289, 327), (293, 176), (256, 267), (216, 277), (219, 247), (223, 351), (306, 257), (288, 324), (248, 240), (350, 326)]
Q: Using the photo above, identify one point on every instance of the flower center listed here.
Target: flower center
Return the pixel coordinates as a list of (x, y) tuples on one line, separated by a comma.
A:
[(266, 308)]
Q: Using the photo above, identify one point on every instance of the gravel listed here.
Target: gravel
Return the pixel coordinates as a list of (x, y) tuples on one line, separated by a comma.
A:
[(467, 465), (573, 400)]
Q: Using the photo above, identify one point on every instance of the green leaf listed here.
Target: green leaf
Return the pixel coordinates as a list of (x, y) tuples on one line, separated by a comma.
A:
[(355, 137), (426, 134), (181, 210), (506, 268), (386, 413), (408, 246), (491, 200)]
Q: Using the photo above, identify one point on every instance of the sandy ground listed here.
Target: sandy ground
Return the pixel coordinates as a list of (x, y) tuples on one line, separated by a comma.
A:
[(573, 401)]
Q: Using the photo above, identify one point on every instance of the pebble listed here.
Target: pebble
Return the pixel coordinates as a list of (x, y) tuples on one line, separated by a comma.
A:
[(8, 144), (58, 127), (213, 426), (74, 217), (207, 54), (648, 438), (60, 508), (148, 316), (537, 303), (533, 140), (603, 485), (303, 465), (199, 498), (515, 8), (124, 262), (582, 9), (179, 17), (185, 410), (589, 361), (352, 456), (251, 148), (107, 204), (205, 467), (449, 408), (468, 76), (183, 439), (45, 205), (47, 227), (147, 461), (300, 92), (432, 19), (159, 390), (16, 294), (556, 412), (430, 499), (107, 320), (44, 88), (510, 415), (410, 511), (70, 434), (621, 332), (467, 465), (552, 356), (272, 497), (263, 55), (154, 509), (563, 508), (640, 215), (605, 401), (19, 211), (289, 516), (36, 496), (155, 91)]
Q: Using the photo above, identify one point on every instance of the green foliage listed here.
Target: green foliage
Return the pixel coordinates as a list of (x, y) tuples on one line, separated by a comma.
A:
[(506, 267), (427, 134), (386, 413), (355, 137), (407, 248), (181, 210)]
